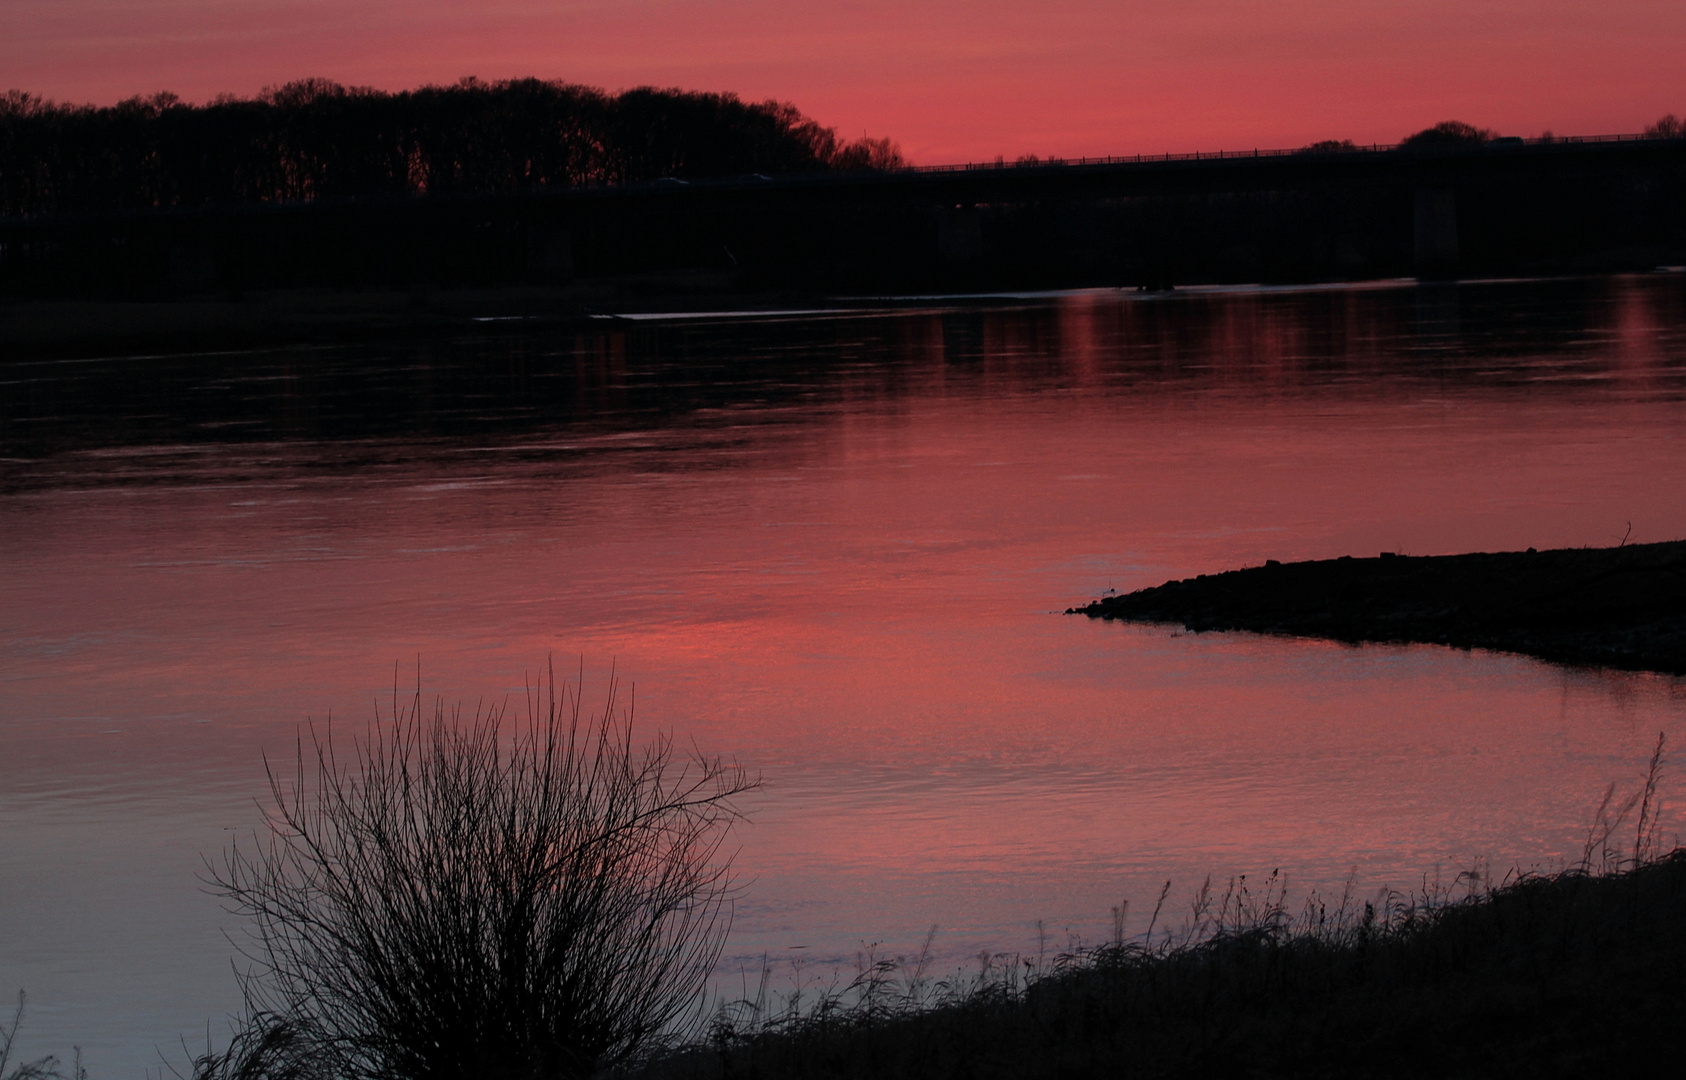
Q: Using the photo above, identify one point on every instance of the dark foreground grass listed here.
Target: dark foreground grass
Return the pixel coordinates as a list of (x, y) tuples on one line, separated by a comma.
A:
[(1570, 974), (1581, 973)]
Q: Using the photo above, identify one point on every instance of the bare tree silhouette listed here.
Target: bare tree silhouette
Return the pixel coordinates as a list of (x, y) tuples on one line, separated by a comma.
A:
[(316, 139), (1669, 126)]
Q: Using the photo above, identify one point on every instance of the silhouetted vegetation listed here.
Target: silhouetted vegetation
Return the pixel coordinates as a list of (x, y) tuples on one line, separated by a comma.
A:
[(1450, 133), (1669, 127), (315, 139), (46, 1068), (460, 899), (315, 189), (1329, 146), (1571, 974), (449, 904)]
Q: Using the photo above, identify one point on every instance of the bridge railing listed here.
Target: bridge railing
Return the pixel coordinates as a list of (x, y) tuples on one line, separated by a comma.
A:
[(1031, 162)]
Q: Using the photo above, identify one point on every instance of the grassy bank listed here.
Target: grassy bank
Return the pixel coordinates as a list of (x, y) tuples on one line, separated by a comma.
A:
[(1619, 607), (439, 902), (1576, 974)]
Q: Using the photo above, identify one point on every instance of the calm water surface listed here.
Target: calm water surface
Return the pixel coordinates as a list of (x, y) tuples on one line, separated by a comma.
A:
[(836, 549)]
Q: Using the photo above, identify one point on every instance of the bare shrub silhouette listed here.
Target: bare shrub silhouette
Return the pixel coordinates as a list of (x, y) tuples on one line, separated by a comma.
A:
[(41, 1069), (476, 896)]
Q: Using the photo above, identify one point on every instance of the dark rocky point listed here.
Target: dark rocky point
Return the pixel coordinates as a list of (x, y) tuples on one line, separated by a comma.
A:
[(1622, 607)]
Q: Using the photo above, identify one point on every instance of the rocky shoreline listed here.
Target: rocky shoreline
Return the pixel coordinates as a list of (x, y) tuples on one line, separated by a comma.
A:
[(1621, 607)]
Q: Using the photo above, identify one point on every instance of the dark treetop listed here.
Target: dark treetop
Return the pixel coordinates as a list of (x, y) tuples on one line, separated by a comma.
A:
[(316, 139)]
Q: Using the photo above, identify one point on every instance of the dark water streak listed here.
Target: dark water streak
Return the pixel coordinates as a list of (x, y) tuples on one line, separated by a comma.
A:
[(135, 419)]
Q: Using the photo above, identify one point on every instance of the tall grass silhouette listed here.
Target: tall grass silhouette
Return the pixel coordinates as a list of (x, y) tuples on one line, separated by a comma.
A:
[(1566, 974), (491, 896)]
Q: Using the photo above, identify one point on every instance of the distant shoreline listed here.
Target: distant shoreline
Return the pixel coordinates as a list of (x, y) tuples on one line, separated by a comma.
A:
[(1621, 607), (50, 329), (61, 329)]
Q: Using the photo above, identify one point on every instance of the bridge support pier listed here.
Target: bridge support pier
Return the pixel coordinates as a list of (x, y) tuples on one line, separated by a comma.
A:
[(1435, 232), (959, 233)]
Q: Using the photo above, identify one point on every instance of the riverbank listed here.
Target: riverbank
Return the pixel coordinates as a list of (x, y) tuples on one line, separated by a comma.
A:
[(1621, 607), (1568, 975)]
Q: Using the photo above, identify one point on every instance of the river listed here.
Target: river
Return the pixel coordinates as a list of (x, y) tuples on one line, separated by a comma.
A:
[(835, 547)]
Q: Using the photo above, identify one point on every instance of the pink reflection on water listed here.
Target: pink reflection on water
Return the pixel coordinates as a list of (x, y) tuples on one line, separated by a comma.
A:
[(854, 588)]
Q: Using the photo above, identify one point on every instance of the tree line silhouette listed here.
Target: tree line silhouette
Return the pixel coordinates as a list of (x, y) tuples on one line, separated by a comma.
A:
[(316, 139)]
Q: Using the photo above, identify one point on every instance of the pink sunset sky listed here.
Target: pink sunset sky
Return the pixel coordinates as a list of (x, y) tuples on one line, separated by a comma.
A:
[(952, 80)]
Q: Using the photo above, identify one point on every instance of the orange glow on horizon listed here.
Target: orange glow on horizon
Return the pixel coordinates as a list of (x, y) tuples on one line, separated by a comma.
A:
[(950, 80)]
